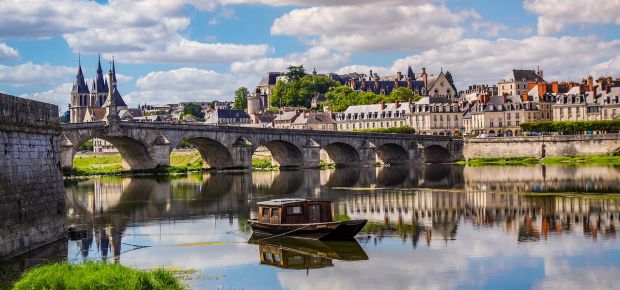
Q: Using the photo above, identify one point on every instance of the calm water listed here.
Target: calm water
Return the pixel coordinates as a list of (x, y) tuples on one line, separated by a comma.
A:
[(438, 227)]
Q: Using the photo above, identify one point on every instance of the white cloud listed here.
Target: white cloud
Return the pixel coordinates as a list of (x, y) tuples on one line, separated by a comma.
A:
[(132, 31), (554, 15), (184, 84), (320, 58), (486, 61), (323, 2), (366, 28), (29, 74), (7, 52), (58, 96)]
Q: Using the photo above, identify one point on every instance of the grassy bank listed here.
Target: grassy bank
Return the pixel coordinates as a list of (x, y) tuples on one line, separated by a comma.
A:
[(95, 275), (601, 160), (180, 162)]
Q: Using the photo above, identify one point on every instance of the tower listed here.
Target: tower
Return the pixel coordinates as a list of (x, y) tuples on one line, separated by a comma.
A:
[(111, 112), (80, 97), (99, 90)]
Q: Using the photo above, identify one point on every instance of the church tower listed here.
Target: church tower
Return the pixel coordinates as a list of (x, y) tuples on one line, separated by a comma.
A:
[(80, 97), (99, 90)]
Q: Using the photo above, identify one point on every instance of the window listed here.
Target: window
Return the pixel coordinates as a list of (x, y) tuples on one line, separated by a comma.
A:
[(275, 212), (293, 210), (266, 212)]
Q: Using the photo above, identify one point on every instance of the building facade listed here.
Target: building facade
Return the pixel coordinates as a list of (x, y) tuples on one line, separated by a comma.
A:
[(517, 82), (374, 116), (436, 118)]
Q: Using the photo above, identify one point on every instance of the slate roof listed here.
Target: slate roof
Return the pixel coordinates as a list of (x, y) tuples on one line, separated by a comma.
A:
[(314, 118), (287, 116), (99, 83), (520, 75), (231, 113), (79, 86), (269, 79)]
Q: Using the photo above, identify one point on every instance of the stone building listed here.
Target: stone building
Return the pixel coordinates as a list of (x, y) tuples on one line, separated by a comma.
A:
[(285, 119), (517, 82), (86, 101), (435, 118), (589, 101), (501, 116), (314, 121), (227, 117), (374, 116)]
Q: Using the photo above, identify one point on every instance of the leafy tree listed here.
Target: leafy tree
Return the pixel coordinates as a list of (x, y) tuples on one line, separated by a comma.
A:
[(300, 92), (450, 80), (403, 94), (241, 98), (295, 72), (571, 127), (195, 110), (87, 146)]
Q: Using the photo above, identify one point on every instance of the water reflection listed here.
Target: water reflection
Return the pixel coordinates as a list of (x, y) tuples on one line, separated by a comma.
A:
[(304, 254), (438, 226)]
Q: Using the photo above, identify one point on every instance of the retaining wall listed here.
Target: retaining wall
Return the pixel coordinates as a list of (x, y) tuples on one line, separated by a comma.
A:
[(541, 146), (32, 198)]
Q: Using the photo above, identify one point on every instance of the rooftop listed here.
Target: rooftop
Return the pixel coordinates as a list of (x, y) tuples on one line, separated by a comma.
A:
[(282, 201)]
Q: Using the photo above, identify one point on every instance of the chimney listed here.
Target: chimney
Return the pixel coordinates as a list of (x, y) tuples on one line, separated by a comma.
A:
[(382, 105), (399, 76), (425, 78), (396, 84), (410, 83), (397, 104), (376, 82), (363, 84), (331, 114), (590, 83), (554, 87), (542, 88)]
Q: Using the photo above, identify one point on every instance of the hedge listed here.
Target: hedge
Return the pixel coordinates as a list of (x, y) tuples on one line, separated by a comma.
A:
[(571, 126), (399, 130)]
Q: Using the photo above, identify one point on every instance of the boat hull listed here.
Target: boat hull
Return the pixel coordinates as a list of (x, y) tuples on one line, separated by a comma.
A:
[(343, 230)]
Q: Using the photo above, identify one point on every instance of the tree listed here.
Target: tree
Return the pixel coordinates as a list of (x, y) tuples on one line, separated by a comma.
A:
[(402, 94), (241, 98), (195, 110), (295, 72), (450, 80), (300, 92)]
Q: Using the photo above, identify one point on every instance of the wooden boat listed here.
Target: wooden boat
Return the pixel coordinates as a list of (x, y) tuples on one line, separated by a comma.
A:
[(303, 218)]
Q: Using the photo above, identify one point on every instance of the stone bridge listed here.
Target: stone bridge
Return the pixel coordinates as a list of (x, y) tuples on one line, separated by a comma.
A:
[(148, 145)]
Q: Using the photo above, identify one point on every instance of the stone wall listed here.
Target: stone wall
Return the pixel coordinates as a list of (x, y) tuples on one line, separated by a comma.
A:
[(541, 146), (32, 202)]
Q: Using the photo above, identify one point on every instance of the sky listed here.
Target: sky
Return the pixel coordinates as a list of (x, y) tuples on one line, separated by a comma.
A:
[(202, 50)]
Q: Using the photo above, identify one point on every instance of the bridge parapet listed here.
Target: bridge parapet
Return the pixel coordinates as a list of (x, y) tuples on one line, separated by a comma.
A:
[(233, 146)]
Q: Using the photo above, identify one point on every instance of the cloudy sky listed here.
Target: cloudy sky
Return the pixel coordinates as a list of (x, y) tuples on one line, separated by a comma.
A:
[(173, 50)]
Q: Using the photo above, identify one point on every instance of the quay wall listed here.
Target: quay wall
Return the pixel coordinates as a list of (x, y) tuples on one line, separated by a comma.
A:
[(541, 146), (32, 199)]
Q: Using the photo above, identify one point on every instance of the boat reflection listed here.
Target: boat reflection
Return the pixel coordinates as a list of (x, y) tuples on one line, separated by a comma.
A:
[(305, 254)]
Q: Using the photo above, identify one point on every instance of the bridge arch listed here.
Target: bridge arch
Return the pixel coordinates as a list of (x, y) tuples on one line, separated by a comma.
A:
[(214, 154), (391, 153), (134, 153), (284, 153), (436, 154), (342, 154)]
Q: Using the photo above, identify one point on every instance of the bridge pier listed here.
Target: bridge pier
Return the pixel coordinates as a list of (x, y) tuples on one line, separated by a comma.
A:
[(311, 154), (368, 154), (67, 151), (241, 152), (416, 153)]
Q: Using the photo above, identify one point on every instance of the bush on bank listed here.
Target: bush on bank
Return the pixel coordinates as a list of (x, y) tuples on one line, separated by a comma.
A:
[(95, 275), (571, 126)]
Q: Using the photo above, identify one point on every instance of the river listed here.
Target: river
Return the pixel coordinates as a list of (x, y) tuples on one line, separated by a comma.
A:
[(430, 227)]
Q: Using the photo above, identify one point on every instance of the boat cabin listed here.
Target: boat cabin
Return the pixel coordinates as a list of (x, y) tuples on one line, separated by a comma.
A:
[(294, 211)]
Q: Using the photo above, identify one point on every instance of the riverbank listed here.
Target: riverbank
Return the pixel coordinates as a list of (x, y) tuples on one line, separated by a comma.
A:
[(180, 162), (96, 275), (598, 160)]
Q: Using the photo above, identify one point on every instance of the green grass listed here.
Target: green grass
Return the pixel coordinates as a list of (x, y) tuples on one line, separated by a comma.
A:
[(95, 275), (582, 160), (602, 160)]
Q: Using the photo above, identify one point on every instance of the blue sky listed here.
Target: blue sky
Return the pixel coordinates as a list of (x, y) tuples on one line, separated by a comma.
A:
[(168, 51)]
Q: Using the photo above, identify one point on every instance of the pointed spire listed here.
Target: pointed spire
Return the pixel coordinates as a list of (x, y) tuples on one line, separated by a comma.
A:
[(80, 86), (113, 71), (410, 74), (100, 83)]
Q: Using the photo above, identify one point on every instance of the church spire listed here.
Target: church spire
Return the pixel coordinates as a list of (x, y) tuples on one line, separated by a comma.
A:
[(80, 86), (100, 83), (113, 71)]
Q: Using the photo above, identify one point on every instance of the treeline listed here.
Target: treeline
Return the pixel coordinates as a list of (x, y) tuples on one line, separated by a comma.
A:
[(571, 126), (340, 98), (299, 89), (399, 130)]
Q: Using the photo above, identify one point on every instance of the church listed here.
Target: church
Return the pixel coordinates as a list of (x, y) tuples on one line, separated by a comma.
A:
[(89, 105)]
